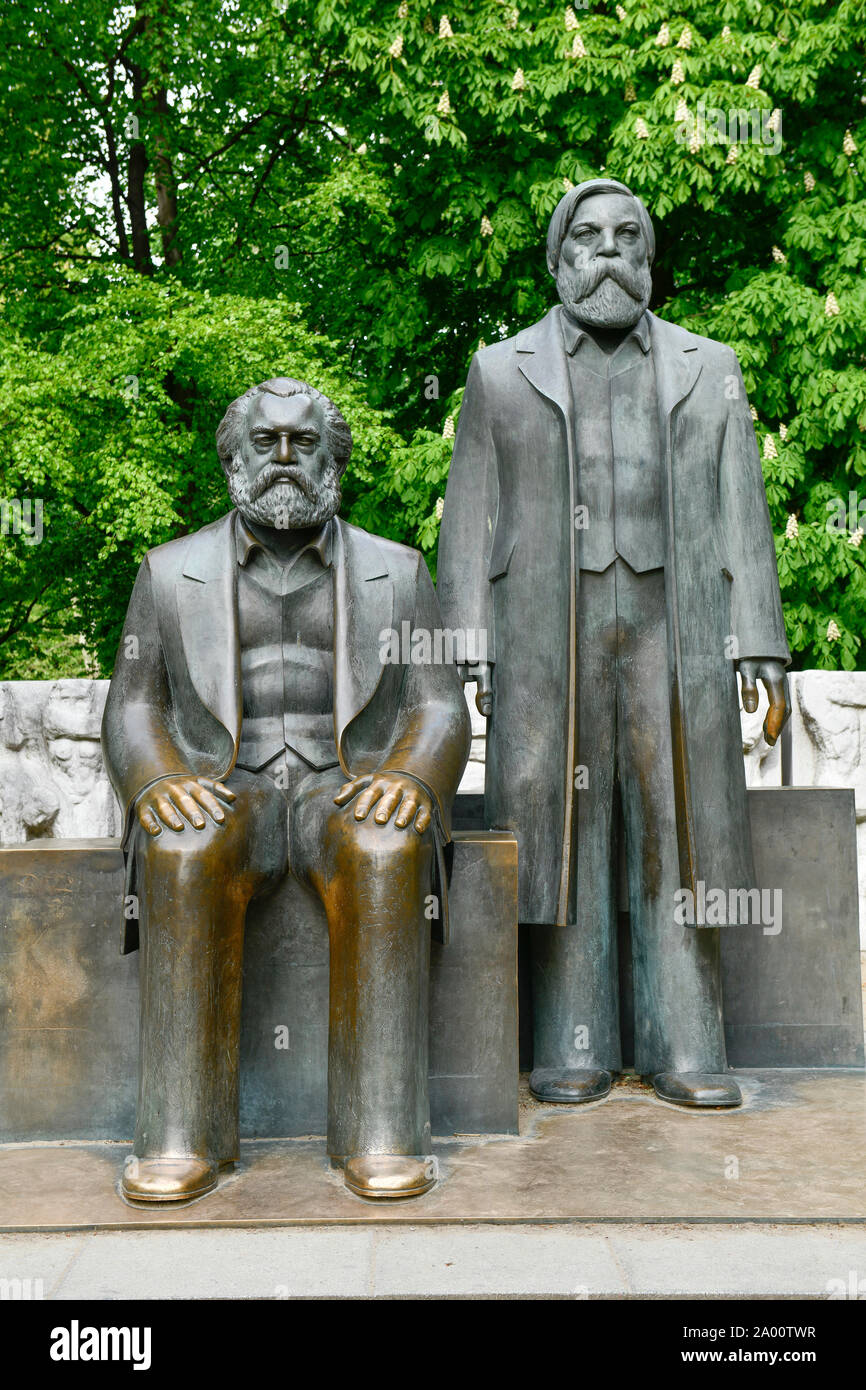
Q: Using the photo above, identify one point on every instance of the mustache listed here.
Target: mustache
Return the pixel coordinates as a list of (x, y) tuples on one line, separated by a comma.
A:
[(584, 281), (282, 473)]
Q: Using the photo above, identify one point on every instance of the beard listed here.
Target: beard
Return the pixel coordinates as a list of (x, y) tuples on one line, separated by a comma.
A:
[(283, 496), (605, 294)]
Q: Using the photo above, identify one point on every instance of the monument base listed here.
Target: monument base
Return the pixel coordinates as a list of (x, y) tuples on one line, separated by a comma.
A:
[(795, 1152)]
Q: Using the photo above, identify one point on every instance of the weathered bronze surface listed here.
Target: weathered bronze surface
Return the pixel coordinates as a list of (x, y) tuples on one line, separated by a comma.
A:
[(251, 730), (606, 525), (69, 1005)]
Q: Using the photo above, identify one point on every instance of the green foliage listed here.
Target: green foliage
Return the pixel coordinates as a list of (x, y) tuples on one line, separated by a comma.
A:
[(198, 194)]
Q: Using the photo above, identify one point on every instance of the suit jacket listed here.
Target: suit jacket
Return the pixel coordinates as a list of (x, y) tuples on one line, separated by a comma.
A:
[(507, 564), (174, 705)]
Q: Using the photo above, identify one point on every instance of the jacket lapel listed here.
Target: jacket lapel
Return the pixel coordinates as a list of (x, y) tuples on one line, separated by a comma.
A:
[(363, 610), (207, 611), (677, 361), (541, 359)]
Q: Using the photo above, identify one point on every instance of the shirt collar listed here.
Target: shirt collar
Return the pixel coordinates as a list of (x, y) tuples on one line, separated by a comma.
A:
[(246, 543), (573, 333)]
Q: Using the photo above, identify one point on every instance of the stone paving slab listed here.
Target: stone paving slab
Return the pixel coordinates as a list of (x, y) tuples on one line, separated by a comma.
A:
[(576, 1262)]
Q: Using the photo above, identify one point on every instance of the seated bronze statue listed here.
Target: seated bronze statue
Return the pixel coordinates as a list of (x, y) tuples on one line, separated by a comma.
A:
[(252, 731)]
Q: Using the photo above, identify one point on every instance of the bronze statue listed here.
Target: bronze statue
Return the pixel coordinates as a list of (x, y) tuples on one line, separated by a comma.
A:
[(606, 521), (252, 730)]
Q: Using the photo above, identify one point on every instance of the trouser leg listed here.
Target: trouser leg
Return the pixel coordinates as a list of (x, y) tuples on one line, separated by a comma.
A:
[(194, 887), (574, 968), (372, 880), (677, 975)]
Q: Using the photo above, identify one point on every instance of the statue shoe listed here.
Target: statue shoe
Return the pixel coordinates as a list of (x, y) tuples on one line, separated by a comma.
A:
[(569, 1085), (167, 1179), (703, 1090), (388, 1175)]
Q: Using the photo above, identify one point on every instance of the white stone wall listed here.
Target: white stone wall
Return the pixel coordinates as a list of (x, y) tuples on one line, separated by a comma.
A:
[(52, 780), (53, 783)]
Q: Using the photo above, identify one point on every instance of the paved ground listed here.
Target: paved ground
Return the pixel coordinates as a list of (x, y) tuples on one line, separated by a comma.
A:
[(575, 1261), (626, 1198)]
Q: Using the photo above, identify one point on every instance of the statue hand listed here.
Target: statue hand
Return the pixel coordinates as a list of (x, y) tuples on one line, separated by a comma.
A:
[(387, 791), (482, 673), (162, 803), (774, 677)]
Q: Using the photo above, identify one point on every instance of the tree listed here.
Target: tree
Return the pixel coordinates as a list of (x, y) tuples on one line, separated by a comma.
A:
[(364, 189)]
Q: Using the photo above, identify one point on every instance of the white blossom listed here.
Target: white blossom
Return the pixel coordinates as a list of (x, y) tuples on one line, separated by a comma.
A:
[(678, 74), (779, 256), (578, 48), (848, 145), (630, 93), (445, 30), (754, 78), (444, 106), (856, 537), (403, 10), (570, 19), (726, 32), (511, 19), (831, 305), (770, 450), (448, 428), (775, 120), (663, 37), (486, 226), (808, 181), (621, 14), (567, 184), (783, 431), (792, 530), (396, 49), (518, 81), (695, 142), (362, 149), (440, 504), (833, 633), (753, 412), (682, 111), (685, 39), (733, 154), (640, 129)]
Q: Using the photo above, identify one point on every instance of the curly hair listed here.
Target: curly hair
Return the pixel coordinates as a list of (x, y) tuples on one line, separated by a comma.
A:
[(338, 436)]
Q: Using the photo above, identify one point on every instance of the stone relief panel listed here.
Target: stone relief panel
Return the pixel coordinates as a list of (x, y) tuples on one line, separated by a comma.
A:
[(52, 779)]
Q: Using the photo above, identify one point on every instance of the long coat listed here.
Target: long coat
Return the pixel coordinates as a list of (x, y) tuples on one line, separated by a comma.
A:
[(508, 565), (174, 706)]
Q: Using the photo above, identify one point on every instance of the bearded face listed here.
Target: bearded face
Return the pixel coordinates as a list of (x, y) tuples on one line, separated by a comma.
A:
[(283, 475), (284, 497), (603, 276), (606, 293)]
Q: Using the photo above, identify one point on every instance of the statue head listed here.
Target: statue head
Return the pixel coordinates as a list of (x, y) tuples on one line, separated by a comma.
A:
[(284, 447), (600, 246)]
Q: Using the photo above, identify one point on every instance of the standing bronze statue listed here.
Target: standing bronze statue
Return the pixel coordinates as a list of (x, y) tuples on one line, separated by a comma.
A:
[(606, 522), (251, 730)]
